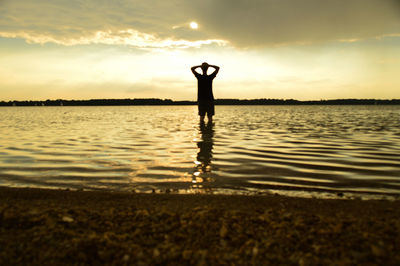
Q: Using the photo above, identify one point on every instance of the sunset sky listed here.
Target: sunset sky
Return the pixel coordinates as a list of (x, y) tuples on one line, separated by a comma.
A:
[(300, 49)]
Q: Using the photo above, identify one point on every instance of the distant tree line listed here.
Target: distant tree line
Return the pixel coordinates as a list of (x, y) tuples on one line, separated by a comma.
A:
[(154, 101), (297, 102)]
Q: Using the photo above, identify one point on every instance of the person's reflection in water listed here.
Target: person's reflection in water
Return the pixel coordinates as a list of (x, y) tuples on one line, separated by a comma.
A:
[(204, 155)]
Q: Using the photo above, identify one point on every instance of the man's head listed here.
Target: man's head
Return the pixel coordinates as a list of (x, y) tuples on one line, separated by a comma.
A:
[(204, 67)]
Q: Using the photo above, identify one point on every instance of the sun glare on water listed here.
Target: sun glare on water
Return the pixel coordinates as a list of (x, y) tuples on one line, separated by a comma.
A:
[(194, 25)]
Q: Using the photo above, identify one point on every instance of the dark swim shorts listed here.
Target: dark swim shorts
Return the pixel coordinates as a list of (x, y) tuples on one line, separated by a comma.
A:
[(206, 107)]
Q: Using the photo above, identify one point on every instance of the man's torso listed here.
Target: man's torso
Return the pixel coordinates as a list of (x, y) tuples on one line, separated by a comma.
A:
[(205, 92)]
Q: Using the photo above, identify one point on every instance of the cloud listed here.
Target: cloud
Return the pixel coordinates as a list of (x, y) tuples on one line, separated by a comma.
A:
[(120, 37), (143, 24), (160, 24), (277, 22)]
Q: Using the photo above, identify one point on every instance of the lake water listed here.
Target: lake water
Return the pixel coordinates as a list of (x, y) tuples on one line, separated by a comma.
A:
[(319, 151)]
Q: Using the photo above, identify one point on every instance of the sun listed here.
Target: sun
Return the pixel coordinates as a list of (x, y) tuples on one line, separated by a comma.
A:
[(194, 25)]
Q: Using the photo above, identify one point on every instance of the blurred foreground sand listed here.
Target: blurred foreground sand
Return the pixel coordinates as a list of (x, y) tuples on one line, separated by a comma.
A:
[(40, 226)]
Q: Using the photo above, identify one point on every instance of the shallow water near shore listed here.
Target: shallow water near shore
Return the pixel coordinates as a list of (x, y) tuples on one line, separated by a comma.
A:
[(319, 151)]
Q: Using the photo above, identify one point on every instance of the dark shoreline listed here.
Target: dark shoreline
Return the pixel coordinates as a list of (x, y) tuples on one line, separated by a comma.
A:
[(155, 101), (40, 226)]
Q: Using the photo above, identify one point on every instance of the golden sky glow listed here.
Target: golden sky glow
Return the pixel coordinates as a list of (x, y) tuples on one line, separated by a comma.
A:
[(305, 49)]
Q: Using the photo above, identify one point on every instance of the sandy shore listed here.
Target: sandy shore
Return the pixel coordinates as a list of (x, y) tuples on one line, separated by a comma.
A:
[(67, 227)]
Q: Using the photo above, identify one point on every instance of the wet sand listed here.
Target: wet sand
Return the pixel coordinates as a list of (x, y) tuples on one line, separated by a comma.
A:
[(68, 227)]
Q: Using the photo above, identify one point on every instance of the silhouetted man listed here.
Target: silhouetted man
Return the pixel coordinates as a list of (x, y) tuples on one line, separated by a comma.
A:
[(205, 97)]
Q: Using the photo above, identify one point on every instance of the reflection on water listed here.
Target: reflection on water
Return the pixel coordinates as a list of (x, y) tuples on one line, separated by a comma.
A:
[(204, 155), (306, 150)]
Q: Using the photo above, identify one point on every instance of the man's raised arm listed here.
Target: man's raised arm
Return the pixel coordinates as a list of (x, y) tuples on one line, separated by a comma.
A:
[(216, 69), (193, 69)]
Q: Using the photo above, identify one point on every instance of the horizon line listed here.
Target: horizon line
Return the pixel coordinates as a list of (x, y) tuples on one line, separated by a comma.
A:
[(223, 101), (217, 99)]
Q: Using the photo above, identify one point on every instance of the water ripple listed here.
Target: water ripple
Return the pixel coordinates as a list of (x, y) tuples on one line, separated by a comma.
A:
[(306, 150)]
